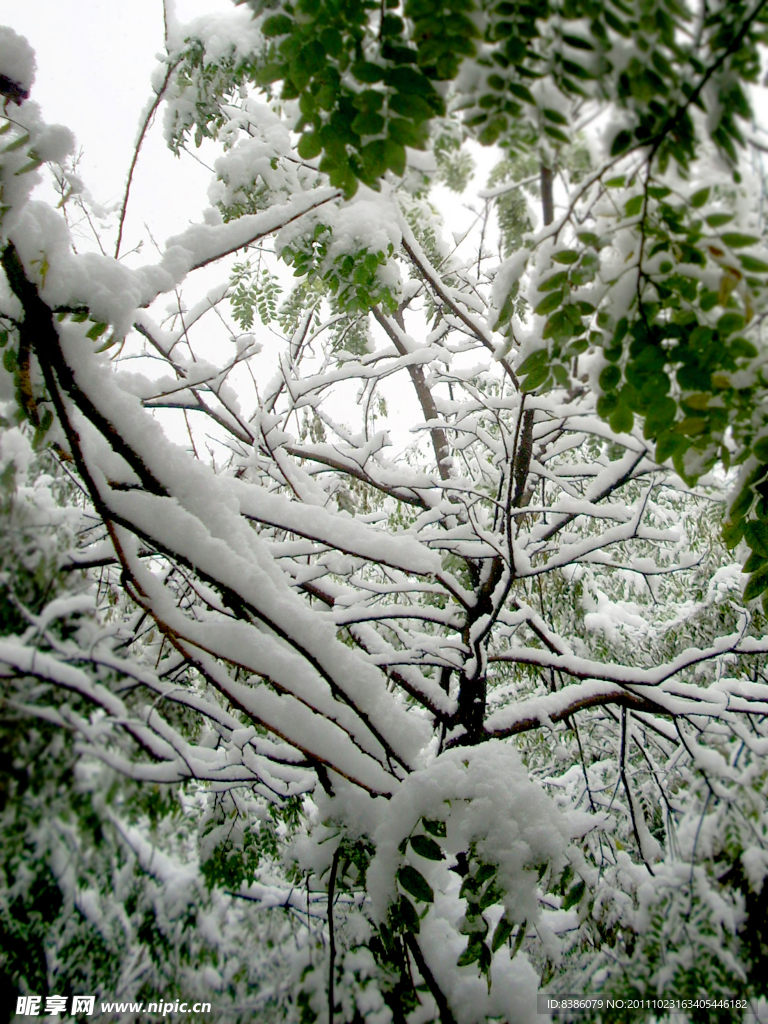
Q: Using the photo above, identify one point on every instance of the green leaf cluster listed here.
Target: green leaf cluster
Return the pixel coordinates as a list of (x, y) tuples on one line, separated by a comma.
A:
[(352, 278)]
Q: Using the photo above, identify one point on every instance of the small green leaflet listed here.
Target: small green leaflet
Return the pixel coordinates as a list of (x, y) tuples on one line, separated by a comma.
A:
[(716, 220), (501, 933), (277, 25), (753, 265), (550, 303), (426, 847), (756, 535), (622, 141), (96, 331), (736, 240), (472, 953), (574, 894), (415, 883), (435, 828), (758, 583), (532, 362), (609, 377), (309, 145), (633, 206)]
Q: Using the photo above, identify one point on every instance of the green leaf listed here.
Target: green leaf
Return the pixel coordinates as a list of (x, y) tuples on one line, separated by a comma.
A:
[(578, 43), (716, 220), (754, 562), (111, 340), (609, 377), (32, 165), (411, 106), (395, 157), (736, 240), (435, 828), (554, 115), (554, 281), (406, 132), (732, 533), (756, 535), (633, 206), (534, 361), (740, 348), (277, 25), (368, 123), (17, 143), (659, 417), (757, 584), (472, 953), (535, 378), (518, 939), (309, 145), (96, 331), (491, 895), (730, 323), (521, 91), (574, 895), (484, 872), (606, 404), (555, 133), (369, 99), (622, 419), (501, 933), (366, 72), (415, 883), (409, 80), (622, 142), (566, 256), (550, 303), (753, 265), (426, 847), (699, 198)]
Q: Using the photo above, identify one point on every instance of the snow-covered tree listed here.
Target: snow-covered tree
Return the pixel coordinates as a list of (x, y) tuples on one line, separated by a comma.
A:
[(374, 639)]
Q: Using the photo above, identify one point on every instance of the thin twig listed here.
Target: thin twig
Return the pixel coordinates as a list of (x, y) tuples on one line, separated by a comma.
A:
[(142, 135)]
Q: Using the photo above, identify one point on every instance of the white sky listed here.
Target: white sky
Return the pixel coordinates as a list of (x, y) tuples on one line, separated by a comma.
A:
[(94, 62)]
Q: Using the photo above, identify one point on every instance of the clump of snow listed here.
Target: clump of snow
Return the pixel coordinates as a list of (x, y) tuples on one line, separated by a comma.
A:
[(612, 617), (15, 448), (54, 143), (255, 156), (486, 797), (488, 803), (755, 862), (367, 221), (111, 291), (17, 58)]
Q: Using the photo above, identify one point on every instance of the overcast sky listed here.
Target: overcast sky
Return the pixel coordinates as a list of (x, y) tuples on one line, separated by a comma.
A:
[(94, 62)]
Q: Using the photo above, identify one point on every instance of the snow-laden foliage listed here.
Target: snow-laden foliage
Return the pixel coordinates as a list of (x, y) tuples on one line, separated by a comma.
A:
[(372, 647)]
